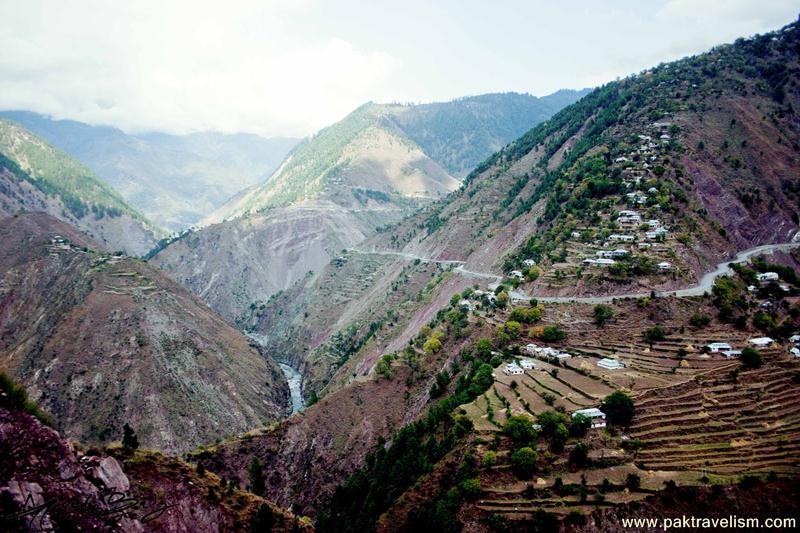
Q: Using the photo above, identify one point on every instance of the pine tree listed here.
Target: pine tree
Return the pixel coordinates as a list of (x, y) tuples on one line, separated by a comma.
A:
[(255, 473), (130, 441)]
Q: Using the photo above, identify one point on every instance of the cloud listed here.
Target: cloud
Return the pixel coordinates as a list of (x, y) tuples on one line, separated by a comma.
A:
[(182, 67)]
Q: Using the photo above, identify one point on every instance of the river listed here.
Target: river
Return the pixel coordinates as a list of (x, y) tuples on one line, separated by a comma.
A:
[(295, 387)]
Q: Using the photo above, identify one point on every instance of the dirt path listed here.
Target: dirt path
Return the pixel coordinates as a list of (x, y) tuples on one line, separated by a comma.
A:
[(706, 282)]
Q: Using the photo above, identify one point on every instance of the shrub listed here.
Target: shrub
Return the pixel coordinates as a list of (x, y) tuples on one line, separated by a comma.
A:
[(602, 314), (700, 320), (432, 346), (489, 459), (655, 334), (751, 358), (618, 408), (633, 482), (524, 461), (470, 489), (14, 396), (553, 333)]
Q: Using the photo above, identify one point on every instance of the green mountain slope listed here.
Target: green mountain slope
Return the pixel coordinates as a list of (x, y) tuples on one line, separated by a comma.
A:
[(175, 180), (39, 177)]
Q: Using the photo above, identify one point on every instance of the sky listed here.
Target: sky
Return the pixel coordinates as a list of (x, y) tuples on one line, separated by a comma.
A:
[(291, 67)]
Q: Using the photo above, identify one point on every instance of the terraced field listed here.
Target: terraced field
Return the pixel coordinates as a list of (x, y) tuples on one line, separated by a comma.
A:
[(726, 423)]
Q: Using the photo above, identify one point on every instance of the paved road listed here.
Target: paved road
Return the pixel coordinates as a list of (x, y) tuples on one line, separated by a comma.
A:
[(706, 282)]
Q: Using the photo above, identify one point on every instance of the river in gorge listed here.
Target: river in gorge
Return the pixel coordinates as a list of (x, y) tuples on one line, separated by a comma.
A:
[(295, 387)]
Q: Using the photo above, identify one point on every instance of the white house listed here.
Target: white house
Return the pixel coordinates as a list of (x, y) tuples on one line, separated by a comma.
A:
[(795, 352), (761, 342), (527, 364), (529, 262), (516, 274), (562, 356), (627, 213), (466, 303), (794, 338), (576, 234), (731, 354), (610, 364), (718, 346), (768, 276), (530, 349), (644, 245), (654, 223), (620, 237), (604, 262), (511, 369), (622, 159), (664, 266), (594, 414)]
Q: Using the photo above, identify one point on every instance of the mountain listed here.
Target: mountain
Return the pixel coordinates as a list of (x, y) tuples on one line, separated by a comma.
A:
[(34, 176), (338, 188), (333, 191), (102, 339), (175, 180), (43, 477), (705, 148), (462, 133)]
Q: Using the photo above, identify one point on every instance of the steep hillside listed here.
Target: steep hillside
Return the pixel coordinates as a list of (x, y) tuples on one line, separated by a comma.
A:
[(335, 190), (706, 147), (50, 484), (338, 188), (461, 133), (175, 180), (34, 176), (101, 339)]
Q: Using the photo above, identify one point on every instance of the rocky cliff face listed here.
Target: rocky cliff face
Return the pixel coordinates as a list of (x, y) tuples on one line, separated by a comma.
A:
[(48, 484), (100, 340)]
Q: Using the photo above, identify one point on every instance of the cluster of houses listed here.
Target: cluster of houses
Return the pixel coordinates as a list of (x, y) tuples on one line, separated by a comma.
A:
[(724, 348), (546, 351), (514, 369), (766, 278)]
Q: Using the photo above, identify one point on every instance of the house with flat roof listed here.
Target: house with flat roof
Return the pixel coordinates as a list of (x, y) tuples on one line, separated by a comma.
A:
[(761, 342), (610, 364), (597, 417), (718, 346), (512, 369)]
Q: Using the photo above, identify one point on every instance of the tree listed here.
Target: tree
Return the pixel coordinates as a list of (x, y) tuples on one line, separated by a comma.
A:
[(263, 520), (633, 482), (519, 428), (255, 473), (751, 358), (553, 333), (655, 334), (489, 459), (514, 329), (470, 488), (618, 408), (579, 456), (579, 425), (432, 346), (549, 421), (559, 438), (602, 314), (501, 300), (524, 461), (130, 441)]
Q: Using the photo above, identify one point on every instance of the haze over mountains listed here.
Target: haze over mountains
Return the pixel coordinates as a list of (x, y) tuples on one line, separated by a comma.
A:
[(499, 308), (175, 180)]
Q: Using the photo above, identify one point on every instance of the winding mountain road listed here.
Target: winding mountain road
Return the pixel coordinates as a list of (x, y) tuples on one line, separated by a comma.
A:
[(705, 284)]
